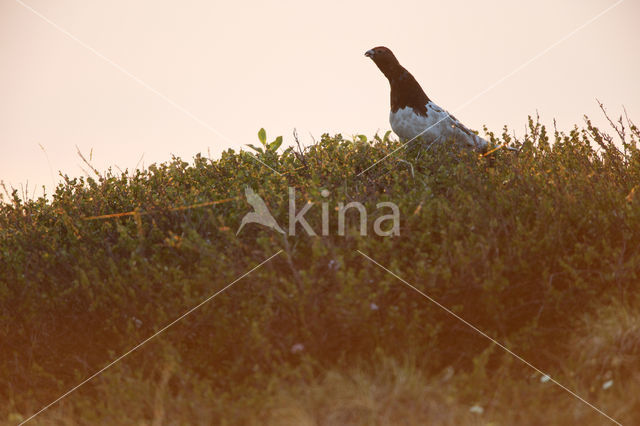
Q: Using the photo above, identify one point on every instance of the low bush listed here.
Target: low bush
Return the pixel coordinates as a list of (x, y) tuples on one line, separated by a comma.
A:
[(521, 245)]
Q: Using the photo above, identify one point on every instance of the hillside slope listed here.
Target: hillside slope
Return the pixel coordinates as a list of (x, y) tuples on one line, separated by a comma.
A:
[(539, 250)]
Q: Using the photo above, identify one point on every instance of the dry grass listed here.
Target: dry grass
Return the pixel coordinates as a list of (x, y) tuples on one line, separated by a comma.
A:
[(605, 348), (389, 395)]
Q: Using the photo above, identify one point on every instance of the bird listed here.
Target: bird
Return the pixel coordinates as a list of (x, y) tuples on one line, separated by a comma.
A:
[(413, 115)]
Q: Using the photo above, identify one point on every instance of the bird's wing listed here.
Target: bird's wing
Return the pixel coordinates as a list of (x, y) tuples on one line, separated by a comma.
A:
[(458, 131)]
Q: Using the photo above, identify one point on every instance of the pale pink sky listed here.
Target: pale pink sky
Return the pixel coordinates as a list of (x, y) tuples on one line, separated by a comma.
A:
[(239, 66)]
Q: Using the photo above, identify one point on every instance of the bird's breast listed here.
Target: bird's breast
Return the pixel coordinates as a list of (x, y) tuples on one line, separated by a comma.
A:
[(408, 124)]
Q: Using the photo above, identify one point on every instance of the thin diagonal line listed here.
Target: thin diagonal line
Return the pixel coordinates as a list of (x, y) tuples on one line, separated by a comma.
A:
[(539, 55), (406, 143), (135, 78), (150, 337), (503, 78), (264, 164), (476, 329)]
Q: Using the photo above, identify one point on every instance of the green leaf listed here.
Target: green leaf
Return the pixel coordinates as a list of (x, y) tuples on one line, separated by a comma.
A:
[(255, 148), (262, 135), (273, 146), (288, 150)]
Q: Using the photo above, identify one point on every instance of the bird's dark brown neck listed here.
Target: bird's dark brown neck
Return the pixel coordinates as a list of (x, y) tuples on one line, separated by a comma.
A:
[(405, 91)]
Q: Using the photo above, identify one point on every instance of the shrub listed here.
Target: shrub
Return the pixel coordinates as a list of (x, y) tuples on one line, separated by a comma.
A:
[(520, 245)]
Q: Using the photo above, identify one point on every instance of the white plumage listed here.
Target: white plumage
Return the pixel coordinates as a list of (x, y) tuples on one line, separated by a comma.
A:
[(437, 126)]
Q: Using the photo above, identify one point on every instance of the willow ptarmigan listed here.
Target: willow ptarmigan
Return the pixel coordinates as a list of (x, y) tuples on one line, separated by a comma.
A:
[(413, 114)]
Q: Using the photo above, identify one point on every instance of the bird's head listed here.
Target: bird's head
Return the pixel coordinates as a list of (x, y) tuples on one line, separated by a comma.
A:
[(382, 56)]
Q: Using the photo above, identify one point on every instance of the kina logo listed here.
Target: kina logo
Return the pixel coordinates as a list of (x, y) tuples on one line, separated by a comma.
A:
[(262, 216)]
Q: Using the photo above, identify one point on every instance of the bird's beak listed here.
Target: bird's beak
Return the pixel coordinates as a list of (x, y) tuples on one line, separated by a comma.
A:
[(369, 53)]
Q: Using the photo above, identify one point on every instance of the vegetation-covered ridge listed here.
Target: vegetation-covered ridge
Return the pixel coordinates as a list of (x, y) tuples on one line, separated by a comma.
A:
[(538, 249)]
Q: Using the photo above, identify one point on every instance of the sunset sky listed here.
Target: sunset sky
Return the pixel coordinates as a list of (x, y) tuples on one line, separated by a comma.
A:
[(127, 79)]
